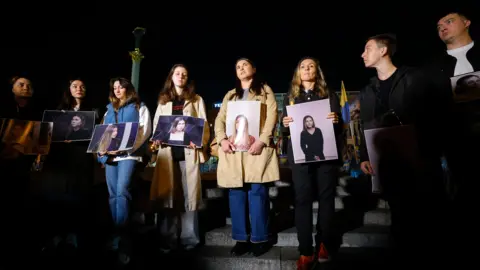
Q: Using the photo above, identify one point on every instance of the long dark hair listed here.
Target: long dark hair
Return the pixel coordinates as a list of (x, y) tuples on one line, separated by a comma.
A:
[(168, 92), (132, 96), (68, 102), (257, 82)]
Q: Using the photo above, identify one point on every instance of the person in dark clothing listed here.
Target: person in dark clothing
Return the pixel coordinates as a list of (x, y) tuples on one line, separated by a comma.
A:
[(67, 176), (396, 97), (461, 56), (16, 171), (311, 140), (308, 84)]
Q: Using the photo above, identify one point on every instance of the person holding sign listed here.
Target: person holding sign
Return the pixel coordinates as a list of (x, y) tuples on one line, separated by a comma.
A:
[(125, 106), (245, 174), (176, 178), (68, 174), (308, 84)]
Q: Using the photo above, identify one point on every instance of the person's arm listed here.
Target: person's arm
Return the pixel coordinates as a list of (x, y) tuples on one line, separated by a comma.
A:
[(144, 129), (155, 120), (266, 133), (220, 120), (286, 102), (303, 144), (202, 113)]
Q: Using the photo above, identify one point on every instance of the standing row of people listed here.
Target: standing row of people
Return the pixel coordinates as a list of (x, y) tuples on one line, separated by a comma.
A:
[(396, 96)]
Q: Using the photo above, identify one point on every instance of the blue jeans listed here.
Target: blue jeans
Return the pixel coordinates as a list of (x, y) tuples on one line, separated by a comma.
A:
[(256, 195), (119, 176)]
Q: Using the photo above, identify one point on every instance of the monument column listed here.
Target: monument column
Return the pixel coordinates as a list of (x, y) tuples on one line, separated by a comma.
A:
[(137, 57)]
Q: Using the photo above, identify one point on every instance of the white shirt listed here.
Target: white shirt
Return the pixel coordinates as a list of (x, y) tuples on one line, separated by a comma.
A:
[(462, 66), (144, 132)]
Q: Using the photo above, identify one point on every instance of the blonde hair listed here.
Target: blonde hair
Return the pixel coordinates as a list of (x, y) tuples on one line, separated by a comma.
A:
[(106, 139), (243, 137), (320, 84)]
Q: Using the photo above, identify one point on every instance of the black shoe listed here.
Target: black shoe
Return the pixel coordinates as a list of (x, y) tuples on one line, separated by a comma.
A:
[(240, 248), (259, 249)]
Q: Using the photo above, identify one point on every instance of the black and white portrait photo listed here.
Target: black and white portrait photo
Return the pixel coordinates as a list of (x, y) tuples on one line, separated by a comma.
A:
[(70, 125)]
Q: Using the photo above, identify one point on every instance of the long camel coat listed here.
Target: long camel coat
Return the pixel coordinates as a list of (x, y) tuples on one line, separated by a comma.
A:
[(240, 167), (163, 186)]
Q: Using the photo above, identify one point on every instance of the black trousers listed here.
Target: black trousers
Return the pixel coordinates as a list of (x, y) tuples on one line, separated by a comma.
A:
[(314, 182)]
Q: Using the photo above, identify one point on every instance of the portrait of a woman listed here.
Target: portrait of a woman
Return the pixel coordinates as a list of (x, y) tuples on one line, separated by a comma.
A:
[(76, 130), (177, 135), (311, 140), (240, 137), (109, 140)]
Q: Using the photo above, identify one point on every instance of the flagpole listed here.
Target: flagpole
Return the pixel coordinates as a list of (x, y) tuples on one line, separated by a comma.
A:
[(137, 57)]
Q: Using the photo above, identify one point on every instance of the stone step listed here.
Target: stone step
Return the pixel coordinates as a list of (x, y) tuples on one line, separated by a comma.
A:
[(278, 258), (217, 193), (374, 217), (371, 236)]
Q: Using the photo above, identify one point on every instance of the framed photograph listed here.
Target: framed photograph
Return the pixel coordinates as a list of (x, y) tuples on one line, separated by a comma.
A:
[(113, 137), (25, 137), (466, 87), (70, 125), (178, 130), (392, 151), (311, 133), (243, 123)]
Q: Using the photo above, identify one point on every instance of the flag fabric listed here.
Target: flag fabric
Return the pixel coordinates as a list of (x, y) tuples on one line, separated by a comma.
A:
[(344, 104)]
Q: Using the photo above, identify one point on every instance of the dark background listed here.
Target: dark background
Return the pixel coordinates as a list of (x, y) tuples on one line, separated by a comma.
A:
[(193, 126), (52, 43)]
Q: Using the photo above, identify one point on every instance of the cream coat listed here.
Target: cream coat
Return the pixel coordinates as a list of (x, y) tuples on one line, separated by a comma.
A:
[(235, 169), (163, 178)]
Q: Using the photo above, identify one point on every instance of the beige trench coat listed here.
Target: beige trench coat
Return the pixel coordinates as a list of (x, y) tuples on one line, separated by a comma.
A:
[(237, 168), (163, 176)]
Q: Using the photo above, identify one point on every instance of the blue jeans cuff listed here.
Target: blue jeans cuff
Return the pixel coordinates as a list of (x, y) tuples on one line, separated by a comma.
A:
[(259, 239), (240, 237)]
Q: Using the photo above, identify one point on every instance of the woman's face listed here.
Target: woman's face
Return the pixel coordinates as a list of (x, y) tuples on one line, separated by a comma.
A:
[(180, 77), (119, 91), (114, 132), (245, 70), (308, 70), (181, 125), (239, 122), (309, 122), (76, 122), (22, 88), (77, 89)]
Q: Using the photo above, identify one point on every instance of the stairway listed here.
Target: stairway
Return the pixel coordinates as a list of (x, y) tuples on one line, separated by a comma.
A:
[(362, 222)]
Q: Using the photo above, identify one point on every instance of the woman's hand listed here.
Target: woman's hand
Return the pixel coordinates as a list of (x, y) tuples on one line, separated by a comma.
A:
[(287, 120), (113, 153), (227, 146), (333, 116), (102, 153), (67, 141), (192, 145), (256, 148)]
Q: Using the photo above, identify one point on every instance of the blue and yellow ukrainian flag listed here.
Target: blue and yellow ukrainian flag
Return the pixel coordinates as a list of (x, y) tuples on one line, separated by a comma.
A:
[(344, 104)]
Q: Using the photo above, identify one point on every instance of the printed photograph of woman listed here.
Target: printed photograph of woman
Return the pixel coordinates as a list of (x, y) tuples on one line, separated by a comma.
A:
[(311, 140), (241, 139), (180, 130), (70, 126), (76, 130), (177, 135)]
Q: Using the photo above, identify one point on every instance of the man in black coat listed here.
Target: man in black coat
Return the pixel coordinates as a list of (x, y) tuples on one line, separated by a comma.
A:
[(396, 97)]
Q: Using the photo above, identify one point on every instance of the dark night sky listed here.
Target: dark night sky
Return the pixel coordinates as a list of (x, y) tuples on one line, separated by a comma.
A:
[(60, 43)]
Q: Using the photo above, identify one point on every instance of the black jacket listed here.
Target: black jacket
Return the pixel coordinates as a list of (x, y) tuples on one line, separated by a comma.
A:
[(416, 100), (446, 63)]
